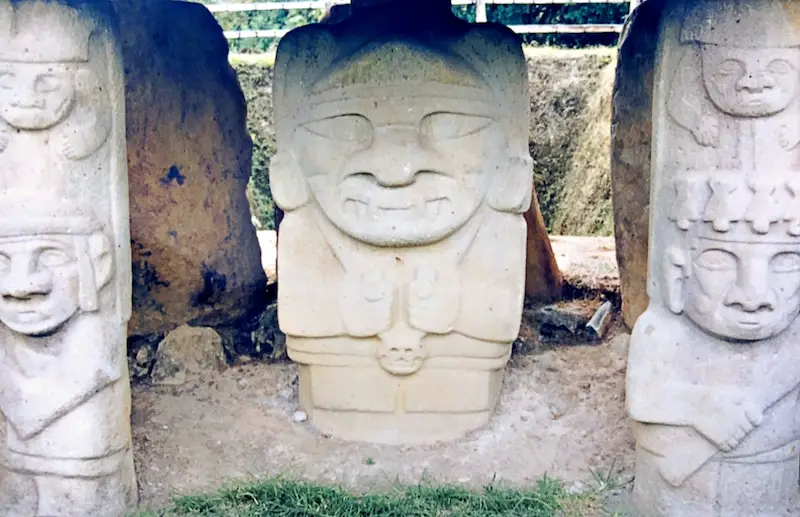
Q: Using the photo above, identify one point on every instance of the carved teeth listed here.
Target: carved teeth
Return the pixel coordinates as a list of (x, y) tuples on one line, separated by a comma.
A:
[(355, 209), (438, 207)]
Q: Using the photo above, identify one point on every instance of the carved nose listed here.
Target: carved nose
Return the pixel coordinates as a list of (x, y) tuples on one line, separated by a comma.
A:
[(395, 157), (755, 83), (23, 282), (751, 299)]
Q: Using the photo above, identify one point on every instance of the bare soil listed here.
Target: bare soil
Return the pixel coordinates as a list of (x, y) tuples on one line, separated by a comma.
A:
[(561, 414)]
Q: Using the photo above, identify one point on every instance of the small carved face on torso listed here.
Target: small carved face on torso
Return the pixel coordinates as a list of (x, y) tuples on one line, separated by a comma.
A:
[(36, 96), (399, 171), (747, 82), (744, 290), (39, 283)]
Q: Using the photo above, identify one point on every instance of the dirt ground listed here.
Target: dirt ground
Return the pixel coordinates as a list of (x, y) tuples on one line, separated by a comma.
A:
[(561, 414)]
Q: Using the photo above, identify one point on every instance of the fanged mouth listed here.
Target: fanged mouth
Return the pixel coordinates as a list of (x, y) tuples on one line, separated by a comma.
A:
[(361, 210)]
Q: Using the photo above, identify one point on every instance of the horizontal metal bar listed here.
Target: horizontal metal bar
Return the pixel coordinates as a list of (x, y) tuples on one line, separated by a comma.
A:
[(522, 29), (322, 4)]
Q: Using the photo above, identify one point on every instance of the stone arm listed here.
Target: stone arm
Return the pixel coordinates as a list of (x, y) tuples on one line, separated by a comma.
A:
[(660, 391), (89, 126), (32, 405), (493, 281), (687, 103), (311, 275)]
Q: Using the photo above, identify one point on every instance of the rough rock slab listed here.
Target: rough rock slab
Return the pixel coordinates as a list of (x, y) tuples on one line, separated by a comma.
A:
[(631, 137), (187, 352), (195, 253)]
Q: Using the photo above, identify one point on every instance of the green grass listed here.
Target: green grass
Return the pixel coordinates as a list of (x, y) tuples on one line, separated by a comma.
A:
[(289, 498)]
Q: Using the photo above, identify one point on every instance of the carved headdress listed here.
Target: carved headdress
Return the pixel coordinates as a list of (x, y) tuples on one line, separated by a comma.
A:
[(728, 206), (43, 31)]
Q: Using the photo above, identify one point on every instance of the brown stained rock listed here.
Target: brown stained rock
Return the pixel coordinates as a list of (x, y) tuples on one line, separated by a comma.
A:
[(195, 253), (543, 280), (631, 135)]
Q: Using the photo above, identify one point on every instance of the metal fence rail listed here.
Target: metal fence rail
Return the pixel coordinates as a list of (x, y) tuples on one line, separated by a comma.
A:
[(480, 15)]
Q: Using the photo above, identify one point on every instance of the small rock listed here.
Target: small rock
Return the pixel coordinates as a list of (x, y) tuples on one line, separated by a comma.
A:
[(576, 488), (299, 417), (187, 352)]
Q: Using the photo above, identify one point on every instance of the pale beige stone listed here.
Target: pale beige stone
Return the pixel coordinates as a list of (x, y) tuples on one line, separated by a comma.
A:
[(65, 278), (713, 381), (187, 352), (404, 171)]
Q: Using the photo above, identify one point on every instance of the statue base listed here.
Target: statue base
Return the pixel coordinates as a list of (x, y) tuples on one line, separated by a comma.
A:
[(353, 398)]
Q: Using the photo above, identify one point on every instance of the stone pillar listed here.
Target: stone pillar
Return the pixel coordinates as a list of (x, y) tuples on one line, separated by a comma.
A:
[(631, 137), (196, 258), (713, 377), (404, 171), (65, 275)]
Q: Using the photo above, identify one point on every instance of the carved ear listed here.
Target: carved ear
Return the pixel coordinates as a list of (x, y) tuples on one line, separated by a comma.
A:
[(511, 188), (102, 259), (677, 271), (287, 183)]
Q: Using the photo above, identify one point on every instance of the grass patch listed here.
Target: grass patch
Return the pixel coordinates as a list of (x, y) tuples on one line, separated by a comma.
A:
[(289, 498)]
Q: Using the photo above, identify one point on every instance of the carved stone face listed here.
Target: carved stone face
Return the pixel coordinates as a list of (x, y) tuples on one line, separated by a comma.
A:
[(744, 290), (751, 82), (35, 96), (39, 283), (399, 171)]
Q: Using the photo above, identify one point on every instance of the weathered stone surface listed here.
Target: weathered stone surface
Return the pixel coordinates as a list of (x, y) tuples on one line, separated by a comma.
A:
[(404, 171), (713, 382), (187, 352), (195, 254), (631, 136), (65, 264)]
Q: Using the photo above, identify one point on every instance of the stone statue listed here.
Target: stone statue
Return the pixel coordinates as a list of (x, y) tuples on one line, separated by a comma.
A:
[(714, 369), (404, 171), (64, 262)]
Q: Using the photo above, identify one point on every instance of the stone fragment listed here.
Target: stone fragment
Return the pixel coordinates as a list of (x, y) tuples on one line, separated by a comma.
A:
[(404, 172), (712, 380), (65, 274), (196, 257), (187, 352)]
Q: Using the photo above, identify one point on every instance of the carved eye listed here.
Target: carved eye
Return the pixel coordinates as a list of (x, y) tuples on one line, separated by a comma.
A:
[(446, 126), (716, 260), (52, 257), (730, 67), (346, 128), (780, 66), (47, 83), (785, 263)]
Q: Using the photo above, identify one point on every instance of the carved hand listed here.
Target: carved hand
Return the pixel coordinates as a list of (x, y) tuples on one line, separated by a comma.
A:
[(731, 421), (434, 300), (366, 303), (707, 131), (789, 135)]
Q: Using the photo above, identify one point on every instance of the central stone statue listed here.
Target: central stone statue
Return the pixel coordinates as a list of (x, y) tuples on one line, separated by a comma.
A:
[(403, 168)]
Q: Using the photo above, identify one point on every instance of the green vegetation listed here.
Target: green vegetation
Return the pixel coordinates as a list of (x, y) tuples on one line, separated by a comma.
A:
[(506, 14), (285, 498)]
